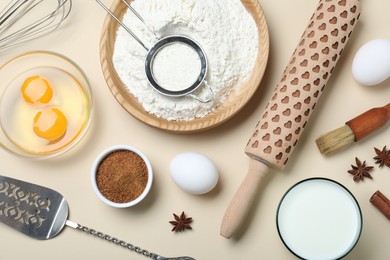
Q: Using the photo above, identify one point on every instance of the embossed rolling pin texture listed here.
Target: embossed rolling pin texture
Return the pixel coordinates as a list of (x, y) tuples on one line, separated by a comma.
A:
[(303, 82), (294, 99)]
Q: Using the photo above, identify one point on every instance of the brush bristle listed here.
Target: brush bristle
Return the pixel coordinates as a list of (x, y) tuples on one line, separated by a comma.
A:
[(335, 140)]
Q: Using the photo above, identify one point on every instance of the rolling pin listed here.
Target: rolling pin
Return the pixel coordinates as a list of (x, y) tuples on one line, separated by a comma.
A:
[(277, 133)]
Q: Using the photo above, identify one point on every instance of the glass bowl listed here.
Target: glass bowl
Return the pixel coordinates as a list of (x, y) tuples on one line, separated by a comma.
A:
[(45, 105), (319, 218)]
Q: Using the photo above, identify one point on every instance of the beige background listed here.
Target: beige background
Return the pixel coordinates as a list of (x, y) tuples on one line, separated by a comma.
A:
[(146, 225)]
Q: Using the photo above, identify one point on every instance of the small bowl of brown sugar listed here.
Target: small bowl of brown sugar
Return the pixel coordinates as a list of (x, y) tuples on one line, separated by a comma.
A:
[(121, 176)]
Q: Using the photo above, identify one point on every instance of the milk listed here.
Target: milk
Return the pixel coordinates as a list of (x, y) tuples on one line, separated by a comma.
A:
[(319, 219)]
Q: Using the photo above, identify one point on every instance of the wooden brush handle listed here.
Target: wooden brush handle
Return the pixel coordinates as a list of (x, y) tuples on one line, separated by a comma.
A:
[(370, 121), (239, 207), (303, 81)]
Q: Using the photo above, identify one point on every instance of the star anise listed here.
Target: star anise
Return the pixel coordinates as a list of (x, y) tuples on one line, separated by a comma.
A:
[(383, 157), (360, 171), (181, 223)]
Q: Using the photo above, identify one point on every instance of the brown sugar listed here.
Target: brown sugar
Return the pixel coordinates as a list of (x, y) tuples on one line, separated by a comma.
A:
[(122, 176)]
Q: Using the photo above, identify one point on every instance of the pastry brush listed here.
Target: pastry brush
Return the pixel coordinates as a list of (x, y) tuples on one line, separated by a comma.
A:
[(354, 130)]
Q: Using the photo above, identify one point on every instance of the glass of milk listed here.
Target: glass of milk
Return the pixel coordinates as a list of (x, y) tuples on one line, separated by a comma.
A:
[(319, 219)]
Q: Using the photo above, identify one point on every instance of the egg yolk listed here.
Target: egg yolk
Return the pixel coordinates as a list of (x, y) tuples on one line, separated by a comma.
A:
[(37, 90), (50, 124)]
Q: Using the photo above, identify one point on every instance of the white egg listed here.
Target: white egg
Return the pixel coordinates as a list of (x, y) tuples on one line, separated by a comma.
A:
[(193, 172), (371, 64)]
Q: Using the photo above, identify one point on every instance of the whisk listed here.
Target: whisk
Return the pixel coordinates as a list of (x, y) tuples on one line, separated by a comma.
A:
[(24, 20)]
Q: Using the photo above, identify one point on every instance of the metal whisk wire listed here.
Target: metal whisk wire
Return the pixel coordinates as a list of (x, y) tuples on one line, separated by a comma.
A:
[(13, 13)]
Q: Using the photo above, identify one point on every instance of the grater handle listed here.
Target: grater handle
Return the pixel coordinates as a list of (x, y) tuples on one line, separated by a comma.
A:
[(122, 243)]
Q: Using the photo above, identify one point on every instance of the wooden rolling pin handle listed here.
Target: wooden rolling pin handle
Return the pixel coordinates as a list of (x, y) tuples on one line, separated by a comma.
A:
[(370, 121), (243, 199), (294, 99)]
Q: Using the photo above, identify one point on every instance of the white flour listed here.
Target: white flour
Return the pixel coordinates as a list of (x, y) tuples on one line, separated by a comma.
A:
[(176, 67), (224, 29)]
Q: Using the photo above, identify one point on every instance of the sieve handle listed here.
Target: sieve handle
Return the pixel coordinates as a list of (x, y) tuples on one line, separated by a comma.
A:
[(208, 99), (122, 24)]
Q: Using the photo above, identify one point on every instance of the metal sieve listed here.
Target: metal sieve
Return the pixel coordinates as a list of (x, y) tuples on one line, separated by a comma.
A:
[(160, 44)]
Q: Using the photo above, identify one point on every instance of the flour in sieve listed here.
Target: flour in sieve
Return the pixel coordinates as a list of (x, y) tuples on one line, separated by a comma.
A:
[(224, 29), (176, 67)]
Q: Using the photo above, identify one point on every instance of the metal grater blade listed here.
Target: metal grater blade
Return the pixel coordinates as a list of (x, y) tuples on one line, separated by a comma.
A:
[(42, 213), (34, 210)]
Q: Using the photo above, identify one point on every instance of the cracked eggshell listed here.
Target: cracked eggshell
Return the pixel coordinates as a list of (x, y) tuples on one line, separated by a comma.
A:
[(193, 172)]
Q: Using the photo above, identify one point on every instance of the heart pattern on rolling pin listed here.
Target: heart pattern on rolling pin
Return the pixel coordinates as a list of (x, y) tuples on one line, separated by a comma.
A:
[(303, 81)]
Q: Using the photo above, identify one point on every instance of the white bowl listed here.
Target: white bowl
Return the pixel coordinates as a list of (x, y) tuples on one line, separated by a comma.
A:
[(97, 162)]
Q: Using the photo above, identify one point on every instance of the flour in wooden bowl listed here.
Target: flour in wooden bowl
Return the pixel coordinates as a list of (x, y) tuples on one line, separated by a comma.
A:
[(224, 29)]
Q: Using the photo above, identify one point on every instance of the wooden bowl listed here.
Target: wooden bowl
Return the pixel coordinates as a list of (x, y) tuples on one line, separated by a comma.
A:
[(233, 103)]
